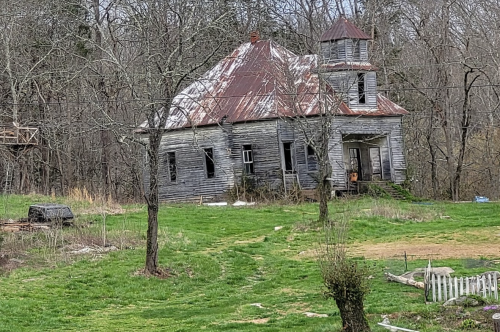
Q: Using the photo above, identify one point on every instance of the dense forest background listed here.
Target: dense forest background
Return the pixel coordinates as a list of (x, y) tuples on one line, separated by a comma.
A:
[(88, 72)]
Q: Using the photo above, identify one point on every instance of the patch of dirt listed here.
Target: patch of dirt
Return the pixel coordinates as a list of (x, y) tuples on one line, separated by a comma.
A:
[(470, 245), (421, 249)]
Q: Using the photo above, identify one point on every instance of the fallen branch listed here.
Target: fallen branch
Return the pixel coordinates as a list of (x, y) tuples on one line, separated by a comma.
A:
[(403, 280)]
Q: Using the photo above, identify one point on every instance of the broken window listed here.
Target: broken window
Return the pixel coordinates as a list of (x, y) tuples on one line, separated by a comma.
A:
[(172, 166), (209, 162), (288, 157), (312, 163), (248, 159), (361, 88)]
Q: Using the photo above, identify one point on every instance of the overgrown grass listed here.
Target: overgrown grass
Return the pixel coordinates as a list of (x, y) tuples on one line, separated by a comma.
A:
[(222, 260)]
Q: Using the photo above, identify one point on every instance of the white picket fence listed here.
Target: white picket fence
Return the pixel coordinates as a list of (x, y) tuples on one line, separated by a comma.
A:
[(444, 288)]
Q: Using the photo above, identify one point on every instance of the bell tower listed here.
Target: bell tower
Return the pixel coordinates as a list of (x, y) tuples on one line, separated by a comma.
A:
[(345, 65)]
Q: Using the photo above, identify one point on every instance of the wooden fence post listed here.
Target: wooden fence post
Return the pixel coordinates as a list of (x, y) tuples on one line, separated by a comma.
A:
[(496, 322)]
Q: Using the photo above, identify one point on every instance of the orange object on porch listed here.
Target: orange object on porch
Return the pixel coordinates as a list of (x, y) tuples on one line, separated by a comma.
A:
[(353, 176)]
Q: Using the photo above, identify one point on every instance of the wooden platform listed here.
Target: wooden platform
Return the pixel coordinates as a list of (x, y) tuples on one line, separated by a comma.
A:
[(12, 135)]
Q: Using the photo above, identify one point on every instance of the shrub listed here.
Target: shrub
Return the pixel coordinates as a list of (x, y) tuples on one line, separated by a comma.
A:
[(345, 279)]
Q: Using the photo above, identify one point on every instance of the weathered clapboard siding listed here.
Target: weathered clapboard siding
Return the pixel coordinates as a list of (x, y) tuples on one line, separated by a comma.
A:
[(263, 137), (370, 90), (344, 50), (388, 136), (266, 138), (192, 178), (363, 50)]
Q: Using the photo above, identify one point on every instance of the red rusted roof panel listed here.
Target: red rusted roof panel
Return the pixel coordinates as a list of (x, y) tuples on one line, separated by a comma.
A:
[(343, 29), (385, 107)]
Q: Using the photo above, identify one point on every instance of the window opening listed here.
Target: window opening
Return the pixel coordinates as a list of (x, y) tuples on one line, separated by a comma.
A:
[(248, 159), (172, 166), (209, 162), (287, 151), (361, 88), (312, 164)]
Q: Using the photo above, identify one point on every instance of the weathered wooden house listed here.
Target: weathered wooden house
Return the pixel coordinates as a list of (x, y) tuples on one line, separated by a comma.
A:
[(239, 119)]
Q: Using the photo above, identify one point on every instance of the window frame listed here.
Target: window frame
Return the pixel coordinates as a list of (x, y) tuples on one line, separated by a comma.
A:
[(311, 155), (169, 169), (208, 158), (361, 80), (246, 151)]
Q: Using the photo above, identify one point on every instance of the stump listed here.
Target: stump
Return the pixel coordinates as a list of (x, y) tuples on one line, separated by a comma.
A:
[(496, 322)]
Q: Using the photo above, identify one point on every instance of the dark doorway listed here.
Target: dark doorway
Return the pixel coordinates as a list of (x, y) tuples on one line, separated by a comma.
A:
[(355, 162)]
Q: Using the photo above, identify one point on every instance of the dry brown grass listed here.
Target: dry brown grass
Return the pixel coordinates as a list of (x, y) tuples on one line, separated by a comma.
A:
[(393, 210)]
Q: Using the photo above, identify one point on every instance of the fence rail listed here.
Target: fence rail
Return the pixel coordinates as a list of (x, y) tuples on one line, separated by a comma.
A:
[(444, 288)]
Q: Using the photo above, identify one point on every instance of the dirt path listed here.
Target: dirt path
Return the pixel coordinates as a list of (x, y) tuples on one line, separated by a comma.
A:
[(426, 250)]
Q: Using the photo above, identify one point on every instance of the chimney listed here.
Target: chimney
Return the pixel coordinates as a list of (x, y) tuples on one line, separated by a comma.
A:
[(254, 37)]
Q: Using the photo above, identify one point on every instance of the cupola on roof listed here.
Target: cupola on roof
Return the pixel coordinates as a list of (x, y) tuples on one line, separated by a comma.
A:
[(343, 29)]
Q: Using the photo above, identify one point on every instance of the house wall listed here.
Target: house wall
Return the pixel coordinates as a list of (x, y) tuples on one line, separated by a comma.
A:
[(344, 50), (192, 178), (263, 136), (266, 138), (391, 149)]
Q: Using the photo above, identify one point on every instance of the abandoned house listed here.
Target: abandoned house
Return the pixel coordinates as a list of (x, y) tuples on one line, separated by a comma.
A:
[(246, 118)]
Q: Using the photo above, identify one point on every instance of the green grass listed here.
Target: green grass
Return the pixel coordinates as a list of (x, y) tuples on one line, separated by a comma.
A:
[(222, 260)]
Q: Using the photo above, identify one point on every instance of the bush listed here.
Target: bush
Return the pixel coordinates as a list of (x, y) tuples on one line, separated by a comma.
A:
[(345, 279)]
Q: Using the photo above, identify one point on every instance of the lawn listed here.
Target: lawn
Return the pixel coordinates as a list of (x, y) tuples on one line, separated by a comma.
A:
[(230, 269)]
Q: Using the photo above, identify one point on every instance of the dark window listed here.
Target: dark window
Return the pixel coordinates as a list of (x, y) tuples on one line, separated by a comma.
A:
[(310, 151), (248, 159), (287, 153), (312, 163), (172, 166), (361, 88), (209, 162)]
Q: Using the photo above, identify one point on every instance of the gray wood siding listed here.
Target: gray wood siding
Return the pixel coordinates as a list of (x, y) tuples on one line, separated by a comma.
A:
[(265, 138), (192, 178), (363, 50), (391, 148), (341, 50), (370, 90), (344, 50)]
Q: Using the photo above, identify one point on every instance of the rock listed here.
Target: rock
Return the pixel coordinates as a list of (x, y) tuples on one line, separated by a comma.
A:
[(312, 314), (258, 305), (277, 228), (462, 301), (452, 301)]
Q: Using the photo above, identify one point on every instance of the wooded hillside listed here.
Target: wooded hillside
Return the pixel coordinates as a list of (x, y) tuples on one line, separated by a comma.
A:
[(86, 73)]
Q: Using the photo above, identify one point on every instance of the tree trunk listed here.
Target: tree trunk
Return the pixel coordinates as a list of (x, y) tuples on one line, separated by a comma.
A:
[(153, 202), (352, 314), (324, 191)]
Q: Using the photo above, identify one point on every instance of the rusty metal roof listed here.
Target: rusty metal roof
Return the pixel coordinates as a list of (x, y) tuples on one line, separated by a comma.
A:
[(385, 107), (343, 29), (257, 81)]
